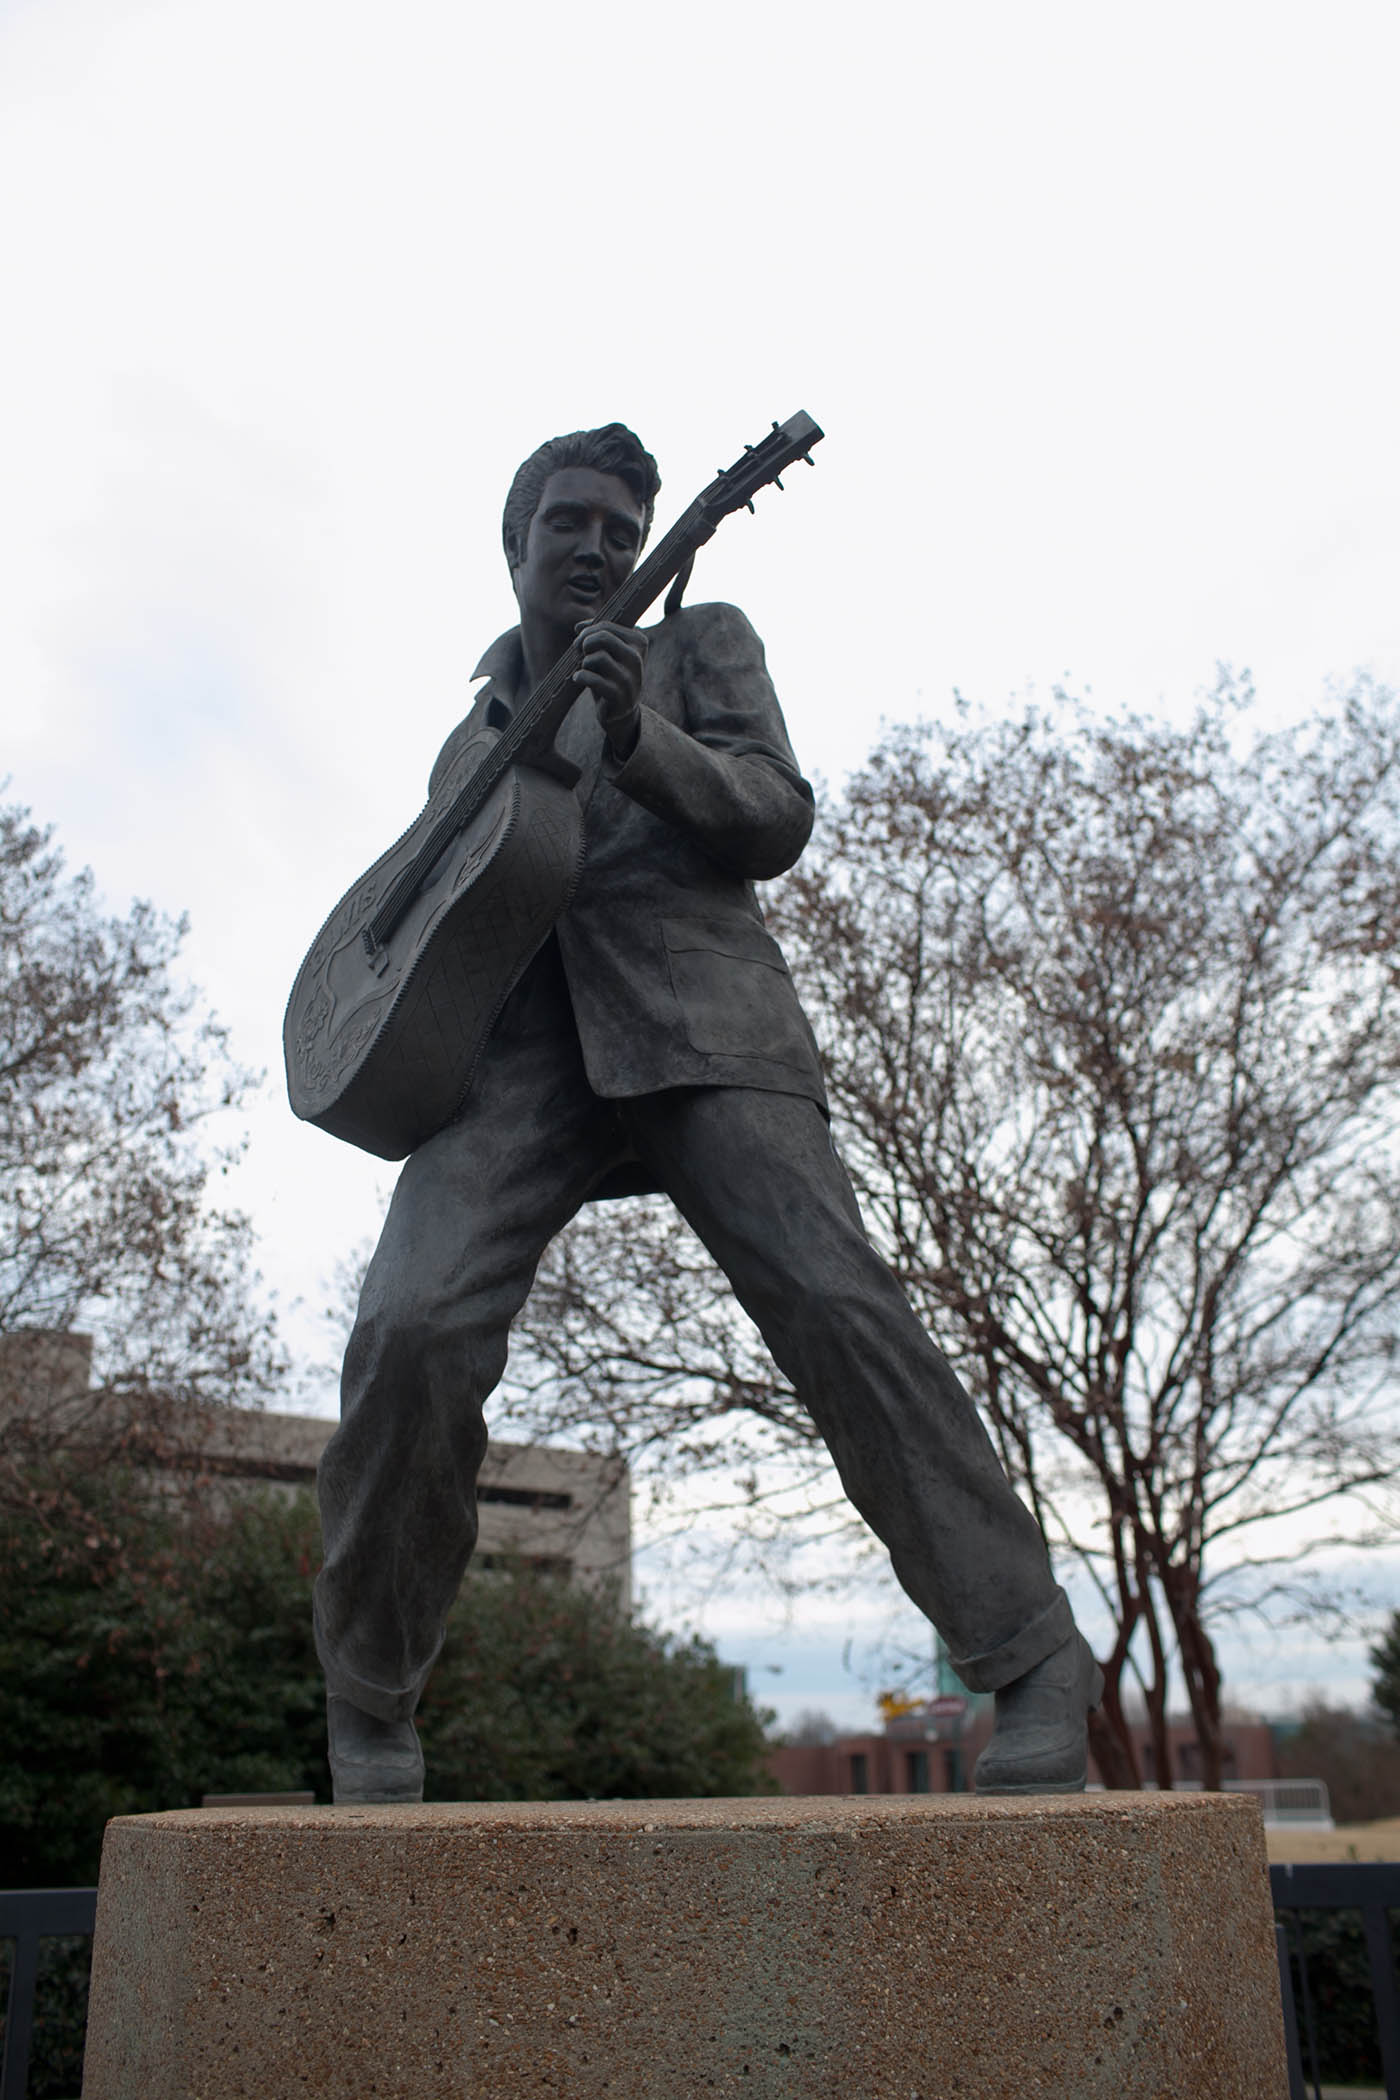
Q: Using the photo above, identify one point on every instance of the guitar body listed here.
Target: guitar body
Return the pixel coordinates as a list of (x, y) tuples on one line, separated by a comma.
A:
[(381, 1046)]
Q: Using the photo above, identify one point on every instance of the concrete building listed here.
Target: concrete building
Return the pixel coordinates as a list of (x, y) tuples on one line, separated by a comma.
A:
[(562, 1511)]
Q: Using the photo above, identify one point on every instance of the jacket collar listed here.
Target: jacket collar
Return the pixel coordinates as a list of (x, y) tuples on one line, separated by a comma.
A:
[(504, 664)]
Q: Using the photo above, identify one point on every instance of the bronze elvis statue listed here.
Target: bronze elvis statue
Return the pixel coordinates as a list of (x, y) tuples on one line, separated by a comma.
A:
[(655, 1041)]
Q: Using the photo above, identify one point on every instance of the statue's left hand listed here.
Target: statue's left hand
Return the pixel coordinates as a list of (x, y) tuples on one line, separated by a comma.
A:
[(614, 659)]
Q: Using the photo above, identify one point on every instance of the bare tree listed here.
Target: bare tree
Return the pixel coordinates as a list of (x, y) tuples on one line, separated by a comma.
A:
[(113, 1085), (1111, 1020)]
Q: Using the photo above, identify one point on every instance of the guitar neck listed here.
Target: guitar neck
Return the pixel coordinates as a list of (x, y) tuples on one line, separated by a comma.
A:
[(534, 725), (537, 722)]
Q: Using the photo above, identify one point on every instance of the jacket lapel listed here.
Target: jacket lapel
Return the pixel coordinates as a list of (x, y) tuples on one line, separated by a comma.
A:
[(580, 739)]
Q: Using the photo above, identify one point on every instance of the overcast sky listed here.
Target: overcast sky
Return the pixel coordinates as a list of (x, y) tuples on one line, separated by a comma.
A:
[(1097, 304)]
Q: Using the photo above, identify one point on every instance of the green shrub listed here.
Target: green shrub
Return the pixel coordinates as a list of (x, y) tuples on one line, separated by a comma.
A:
[(1339, 1986), (545, 1692), (149, 1655)]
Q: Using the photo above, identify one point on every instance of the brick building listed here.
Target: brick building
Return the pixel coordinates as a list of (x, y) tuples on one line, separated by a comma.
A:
[(933, 1751)]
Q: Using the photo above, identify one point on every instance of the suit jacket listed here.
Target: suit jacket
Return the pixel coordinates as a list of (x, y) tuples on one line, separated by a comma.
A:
[(673, 978)]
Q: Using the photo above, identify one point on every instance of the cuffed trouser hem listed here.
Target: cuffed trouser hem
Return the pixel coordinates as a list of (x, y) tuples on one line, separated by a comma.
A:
[(376, 1699), (1047, 1631)]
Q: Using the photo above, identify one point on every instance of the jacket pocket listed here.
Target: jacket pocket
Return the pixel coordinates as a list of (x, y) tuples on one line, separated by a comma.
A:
[(734, 992)]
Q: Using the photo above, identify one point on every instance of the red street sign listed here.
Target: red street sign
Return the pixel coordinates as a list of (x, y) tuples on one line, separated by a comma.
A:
[(948, 1706)]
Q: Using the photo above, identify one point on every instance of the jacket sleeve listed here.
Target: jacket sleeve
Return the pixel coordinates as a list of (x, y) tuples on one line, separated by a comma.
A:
[(727, 775)]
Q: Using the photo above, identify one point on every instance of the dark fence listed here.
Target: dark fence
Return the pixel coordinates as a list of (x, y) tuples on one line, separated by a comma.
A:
[(1337, 1971), (60, 1917), (1341, 2007)]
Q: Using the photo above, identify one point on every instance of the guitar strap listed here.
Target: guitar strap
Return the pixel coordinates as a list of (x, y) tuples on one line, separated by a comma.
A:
[(677, 590)]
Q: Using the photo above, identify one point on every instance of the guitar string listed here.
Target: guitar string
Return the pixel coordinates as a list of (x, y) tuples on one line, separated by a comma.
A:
[(638, 592), (627, 603)]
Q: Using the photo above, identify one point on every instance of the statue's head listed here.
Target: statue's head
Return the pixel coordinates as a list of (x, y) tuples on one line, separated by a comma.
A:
[(613, 449)]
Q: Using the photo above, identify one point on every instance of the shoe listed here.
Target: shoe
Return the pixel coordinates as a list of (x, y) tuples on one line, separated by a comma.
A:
[(372, 1760), (1040, 1741)]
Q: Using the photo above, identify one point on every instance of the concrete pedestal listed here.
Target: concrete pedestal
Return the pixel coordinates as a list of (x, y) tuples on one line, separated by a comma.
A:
[(1091, 1947)]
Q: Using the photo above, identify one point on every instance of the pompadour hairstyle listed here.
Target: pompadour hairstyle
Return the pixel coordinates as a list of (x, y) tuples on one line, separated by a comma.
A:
[(613, 449)]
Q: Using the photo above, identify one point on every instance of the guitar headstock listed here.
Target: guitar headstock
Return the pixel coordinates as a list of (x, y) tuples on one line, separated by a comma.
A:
[(759, 464)]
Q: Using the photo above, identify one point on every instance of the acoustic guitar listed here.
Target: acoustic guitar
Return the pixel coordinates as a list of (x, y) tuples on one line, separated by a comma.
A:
[(401, 987)]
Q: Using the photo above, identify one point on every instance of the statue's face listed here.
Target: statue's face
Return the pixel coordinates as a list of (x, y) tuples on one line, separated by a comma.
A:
[(582, 543)]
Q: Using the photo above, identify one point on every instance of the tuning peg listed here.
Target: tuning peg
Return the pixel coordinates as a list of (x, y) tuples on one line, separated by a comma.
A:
[(809, 459), (750, 505), (776, 483)]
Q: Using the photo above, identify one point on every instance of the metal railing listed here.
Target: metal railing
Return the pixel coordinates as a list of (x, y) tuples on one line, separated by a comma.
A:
[(1373, 1890), (26, 1917), (1303, 1801)]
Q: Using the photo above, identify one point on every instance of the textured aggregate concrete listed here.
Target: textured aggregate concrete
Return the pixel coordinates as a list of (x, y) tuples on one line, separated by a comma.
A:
[(1091, 1947)]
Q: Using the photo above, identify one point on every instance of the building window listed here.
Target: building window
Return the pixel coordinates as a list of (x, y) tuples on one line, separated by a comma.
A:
[(916, 1771), (517, 1563), (954, 1776), (860, 1773), (525, 1498)]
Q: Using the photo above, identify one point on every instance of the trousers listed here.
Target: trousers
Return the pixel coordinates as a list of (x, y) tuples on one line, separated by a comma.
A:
[(757, 1177)]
